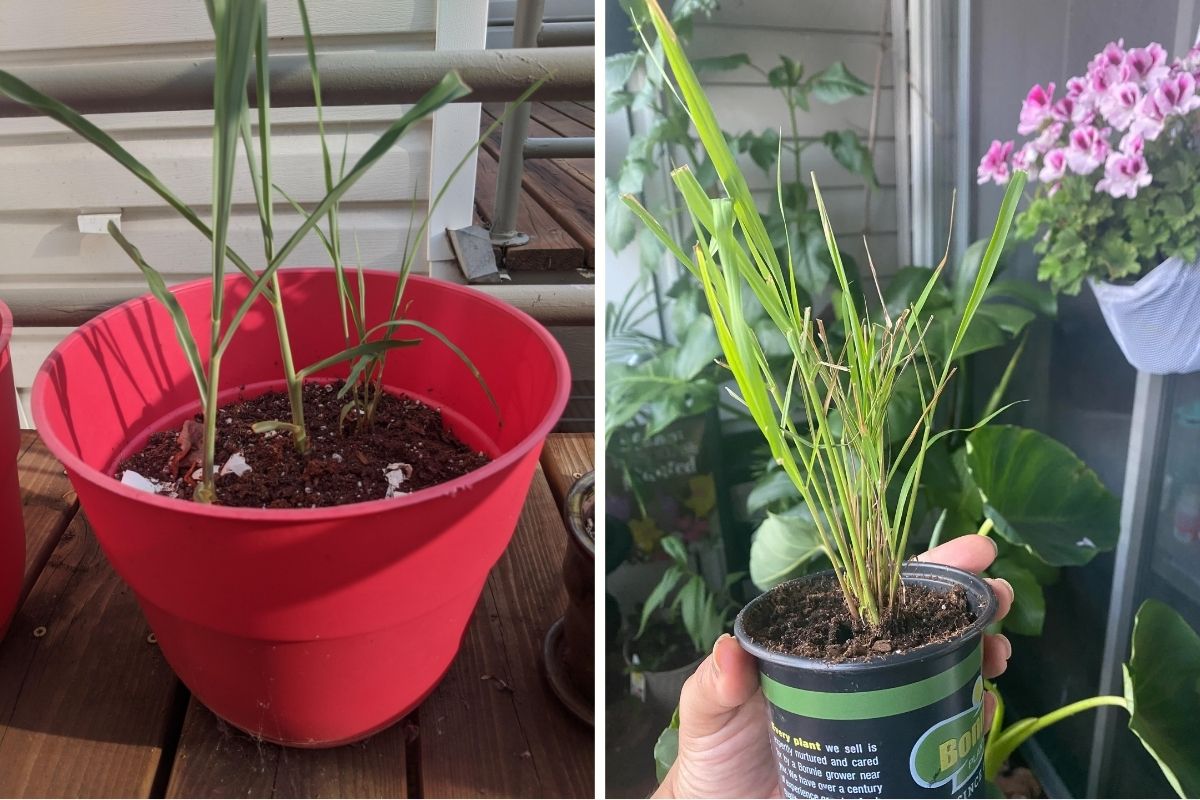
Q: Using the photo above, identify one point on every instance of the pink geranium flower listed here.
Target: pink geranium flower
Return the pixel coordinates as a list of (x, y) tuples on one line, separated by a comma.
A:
[(994, 164), (1176, 95), (1124, 175), (1087, 148), (1049, 137), (1036, 108), (1026, 159), (1148, 64), (1054, 165), (1119, 104)]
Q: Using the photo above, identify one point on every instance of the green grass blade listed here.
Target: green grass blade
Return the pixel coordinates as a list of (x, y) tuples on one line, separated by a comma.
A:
[(441, 337), (158, 288), (991, 256), (364, 349), (262, 80), (658, 230), (448, 90), (237, 22), (19, 91)]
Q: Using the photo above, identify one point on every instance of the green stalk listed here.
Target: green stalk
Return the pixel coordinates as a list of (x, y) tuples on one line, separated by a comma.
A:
[(1017, 733)]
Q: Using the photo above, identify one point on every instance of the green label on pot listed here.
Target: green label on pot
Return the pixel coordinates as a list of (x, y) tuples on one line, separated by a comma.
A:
[(951, 750), (875, 703), (884, 735)]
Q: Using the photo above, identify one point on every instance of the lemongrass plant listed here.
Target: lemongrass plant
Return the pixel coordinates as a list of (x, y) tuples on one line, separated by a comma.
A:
[(364, 385), (826, 423), (241, 41)]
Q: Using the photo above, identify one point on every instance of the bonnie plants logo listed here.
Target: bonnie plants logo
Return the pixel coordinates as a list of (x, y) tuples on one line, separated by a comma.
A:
[(952, 750)]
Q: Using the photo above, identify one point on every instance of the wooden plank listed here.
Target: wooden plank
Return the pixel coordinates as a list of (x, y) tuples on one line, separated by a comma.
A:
[(49, 503), (217, 760), (569, 204), (564, 458), (85, 698), (546, 122), (550, 246), (494, 728), (580, 112)]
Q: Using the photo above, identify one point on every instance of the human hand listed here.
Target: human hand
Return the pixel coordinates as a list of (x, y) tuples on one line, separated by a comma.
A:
[(724, 741)]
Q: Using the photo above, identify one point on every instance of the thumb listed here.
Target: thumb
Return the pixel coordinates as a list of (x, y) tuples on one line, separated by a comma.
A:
[(723, 682)]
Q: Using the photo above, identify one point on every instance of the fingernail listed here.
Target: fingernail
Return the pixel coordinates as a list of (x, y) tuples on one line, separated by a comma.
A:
[(1011, 591), (994, 544), (716, 660), (1007, 644)]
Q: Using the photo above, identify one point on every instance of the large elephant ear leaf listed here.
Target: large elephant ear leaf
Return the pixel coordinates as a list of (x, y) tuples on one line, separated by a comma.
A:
[(1041, 496), (1162, 688), (785, 546)]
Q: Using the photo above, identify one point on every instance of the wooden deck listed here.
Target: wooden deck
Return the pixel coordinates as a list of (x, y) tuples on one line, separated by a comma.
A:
[(558, 201), (89, 708)]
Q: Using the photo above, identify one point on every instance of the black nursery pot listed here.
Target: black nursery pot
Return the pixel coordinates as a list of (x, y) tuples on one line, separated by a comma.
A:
[(900, 725)]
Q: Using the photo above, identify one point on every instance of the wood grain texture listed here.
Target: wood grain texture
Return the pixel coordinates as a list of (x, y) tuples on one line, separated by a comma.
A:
[(49, 503), (85, 698), (564, 459), (550, 247), (554, 187), (493, 728), (216, 760)]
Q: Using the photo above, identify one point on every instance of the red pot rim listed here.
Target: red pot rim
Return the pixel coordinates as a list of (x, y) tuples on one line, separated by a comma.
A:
[(75, 464), (6, 326)]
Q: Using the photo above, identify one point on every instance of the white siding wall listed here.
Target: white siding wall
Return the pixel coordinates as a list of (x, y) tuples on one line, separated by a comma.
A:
[(815, 33), (48, 176)]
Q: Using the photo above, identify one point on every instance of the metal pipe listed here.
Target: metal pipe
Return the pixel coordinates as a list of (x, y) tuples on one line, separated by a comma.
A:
[(566, 34), (560, 147), (556, 304), (516, 129), (347, 79)]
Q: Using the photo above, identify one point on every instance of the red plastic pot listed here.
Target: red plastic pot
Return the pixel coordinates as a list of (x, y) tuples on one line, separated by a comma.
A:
[(310, 627), (12, 526)]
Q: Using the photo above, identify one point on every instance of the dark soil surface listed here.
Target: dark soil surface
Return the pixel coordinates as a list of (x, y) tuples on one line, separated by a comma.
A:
[(408, 440), (1018, 782), (811, 620)]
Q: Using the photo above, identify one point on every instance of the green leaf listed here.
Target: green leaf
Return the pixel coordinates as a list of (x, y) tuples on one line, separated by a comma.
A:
[(1041, 496), (666, 749), (1039, 298), (619, 222), (764, 149), (1028, 611), (1162, 688), (906, 286), (721, 63), (158, 288), (788, 74), (658, 596), (836, 83), (983, 334), (784, 547), (1008, 318), (363, 349), (965, 272), (851, 153), (674, 547), (773, 487), (449, 89), (16, 89)]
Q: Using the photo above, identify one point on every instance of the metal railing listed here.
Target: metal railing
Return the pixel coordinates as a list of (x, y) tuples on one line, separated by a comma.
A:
[(375, 78)]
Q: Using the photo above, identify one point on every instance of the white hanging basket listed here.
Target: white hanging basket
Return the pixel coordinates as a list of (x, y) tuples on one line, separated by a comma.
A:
[(1156, 321)]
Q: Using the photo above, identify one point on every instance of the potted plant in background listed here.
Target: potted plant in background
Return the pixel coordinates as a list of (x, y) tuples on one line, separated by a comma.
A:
[(880, 630), (12, 524), (1117, 157), (308, 626), (679, 622)]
